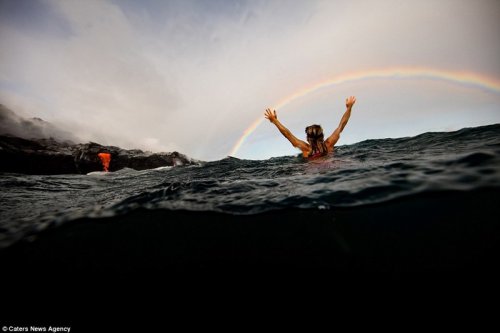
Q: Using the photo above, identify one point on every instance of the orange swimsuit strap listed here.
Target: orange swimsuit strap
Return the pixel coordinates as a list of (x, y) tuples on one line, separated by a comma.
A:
[(317, 154)]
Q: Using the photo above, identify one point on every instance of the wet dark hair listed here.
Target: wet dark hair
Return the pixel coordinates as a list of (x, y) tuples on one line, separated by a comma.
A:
[(315, 138)]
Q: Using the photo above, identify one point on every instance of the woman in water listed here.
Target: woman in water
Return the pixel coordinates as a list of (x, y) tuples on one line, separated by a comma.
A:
[(315, 146)]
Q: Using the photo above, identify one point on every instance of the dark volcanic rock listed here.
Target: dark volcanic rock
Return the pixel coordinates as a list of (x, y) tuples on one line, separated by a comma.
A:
[(48, 156)]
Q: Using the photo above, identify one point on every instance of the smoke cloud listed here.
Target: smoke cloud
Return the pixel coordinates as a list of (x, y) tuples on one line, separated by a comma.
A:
[(34, 128)]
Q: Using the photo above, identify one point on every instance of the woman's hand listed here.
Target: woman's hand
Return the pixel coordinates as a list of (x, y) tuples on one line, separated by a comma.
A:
[(349, 102), (271, 115)]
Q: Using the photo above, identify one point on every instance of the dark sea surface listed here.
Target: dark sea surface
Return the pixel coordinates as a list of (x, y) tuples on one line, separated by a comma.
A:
[(366, 173)]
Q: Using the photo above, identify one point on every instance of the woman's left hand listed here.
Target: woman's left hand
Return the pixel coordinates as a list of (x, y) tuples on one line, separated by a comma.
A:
[(271, 115)]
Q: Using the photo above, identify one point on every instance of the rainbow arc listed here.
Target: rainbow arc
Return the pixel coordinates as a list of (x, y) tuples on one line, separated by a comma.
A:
[(470, 79)]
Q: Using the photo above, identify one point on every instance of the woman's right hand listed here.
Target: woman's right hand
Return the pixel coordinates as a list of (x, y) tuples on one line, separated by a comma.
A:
[(349, 102), (271, 115)]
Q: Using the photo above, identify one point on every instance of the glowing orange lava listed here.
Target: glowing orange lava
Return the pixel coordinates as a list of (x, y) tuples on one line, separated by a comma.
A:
[(105, 159)]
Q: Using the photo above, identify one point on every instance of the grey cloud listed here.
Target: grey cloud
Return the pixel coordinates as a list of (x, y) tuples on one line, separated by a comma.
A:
[(192, 76)]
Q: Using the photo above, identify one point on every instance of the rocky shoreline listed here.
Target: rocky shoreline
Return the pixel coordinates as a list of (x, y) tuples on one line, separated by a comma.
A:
[(49, 156)]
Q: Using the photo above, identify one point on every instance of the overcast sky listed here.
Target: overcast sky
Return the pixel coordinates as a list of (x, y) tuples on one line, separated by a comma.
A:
[(191, 76)]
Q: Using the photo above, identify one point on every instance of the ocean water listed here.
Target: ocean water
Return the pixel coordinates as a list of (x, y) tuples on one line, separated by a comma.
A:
[(366, 173)]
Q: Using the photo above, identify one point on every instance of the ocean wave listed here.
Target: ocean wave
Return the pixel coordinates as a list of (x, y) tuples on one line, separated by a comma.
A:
[(365, 173)]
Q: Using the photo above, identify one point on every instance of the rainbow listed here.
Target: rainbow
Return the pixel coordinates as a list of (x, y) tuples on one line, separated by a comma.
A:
[(471, 79)]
